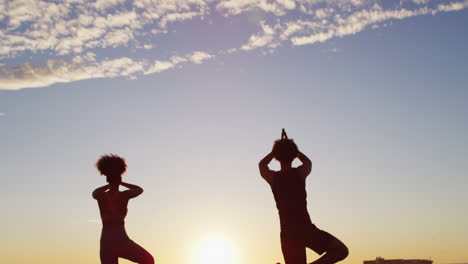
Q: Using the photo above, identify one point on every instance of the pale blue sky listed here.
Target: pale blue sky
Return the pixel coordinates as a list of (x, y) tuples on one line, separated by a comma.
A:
[(381, 113)]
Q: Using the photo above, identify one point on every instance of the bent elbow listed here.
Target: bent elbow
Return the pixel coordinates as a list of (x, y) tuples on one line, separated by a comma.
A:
[(139, 191)]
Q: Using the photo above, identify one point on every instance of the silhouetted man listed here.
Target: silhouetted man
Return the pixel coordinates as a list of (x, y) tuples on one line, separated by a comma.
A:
[(288, 187), (115, 242)]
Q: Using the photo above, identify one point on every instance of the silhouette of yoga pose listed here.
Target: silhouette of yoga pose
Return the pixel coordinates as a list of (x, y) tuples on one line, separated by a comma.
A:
[(113, 203), (288, 187)]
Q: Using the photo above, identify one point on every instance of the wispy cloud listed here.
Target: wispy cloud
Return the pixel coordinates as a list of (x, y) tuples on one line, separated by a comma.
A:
[(87, 67), (199, 56), (67, 27), (360, 20), (159, 66), (60, 71), (66, 40), (235, 7), (338, 21), (261, 39), (2, 114)]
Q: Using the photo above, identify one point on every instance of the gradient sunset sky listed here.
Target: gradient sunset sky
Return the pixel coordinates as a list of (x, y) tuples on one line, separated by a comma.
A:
[(194, 92)]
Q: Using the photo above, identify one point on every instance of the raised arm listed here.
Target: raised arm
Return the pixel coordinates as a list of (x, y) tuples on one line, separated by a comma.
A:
[(133, 190), (100, 191), (265, 171), (306, 167)]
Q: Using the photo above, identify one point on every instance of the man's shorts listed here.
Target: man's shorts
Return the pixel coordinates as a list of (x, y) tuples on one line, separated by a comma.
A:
[(293, 246)]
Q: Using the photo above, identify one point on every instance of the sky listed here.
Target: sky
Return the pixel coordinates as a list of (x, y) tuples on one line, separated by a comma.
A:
[(193, 93)]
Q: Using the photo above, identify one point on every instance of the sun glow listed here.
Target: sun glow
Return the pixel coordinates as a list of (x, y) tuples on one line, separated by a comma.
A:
[(216, 249)]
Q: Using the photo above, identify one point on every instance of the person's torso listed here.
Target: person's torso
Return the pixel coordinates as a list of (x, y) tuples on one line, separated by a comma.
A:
[(113, 208), (291, 200)]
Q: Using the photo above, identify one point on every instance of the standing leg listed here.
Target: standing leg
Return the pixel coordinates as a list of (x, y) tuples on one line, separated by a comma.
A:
[(134, 252), (108, 255), (293, 251)]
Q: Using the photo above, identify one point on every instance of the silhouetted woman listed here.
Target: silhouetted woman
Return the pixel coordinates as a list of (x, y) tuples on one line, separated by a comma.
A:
[(115, 242)]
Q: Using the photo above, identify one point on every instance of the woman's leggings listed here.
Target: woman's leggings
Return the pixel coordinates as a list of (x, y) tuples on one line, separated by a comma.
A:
[(115, 244)]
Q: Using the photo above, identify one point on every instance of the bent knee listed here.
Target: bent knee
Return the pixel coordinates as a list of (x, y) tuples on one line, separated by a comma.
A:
[(148, 260), (341, 251), (344, 252)]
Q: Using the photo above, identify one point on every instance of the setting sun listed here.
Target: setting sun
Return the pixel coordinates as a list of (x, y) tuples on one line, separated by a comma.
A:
[(216, 248)]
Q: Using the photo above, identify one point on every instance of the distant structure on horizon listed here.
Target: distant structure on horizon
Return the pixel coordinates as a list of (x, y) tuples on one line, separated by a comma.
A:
[(380, 260)]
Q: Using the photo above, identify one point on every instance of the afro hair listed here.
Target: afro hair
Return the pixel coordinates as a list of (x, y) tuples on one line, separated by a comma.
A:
[(285, 150), (111, 165)]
